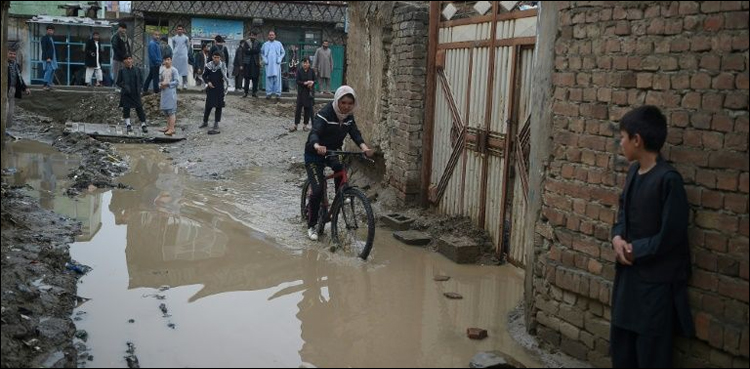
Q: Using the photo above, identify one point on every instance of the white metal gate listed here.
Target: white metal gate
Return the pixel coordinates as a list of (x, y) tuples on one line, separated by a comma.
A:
[(481, 72)]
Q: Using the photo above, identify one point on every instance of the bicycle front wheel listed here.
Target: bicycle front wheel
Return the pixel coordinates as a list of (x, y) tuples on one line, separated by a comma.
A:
[(304, 206), (353, 224)]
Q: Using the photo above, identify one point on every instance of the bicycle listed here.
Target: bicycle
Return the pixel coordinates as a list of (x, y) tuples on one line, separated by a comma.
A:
[(350, 212)]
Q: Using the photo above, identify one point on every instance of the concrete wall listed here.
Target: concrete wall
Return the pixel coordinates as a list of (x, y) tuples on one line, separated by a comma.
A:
[(387, 68), (690, 59)]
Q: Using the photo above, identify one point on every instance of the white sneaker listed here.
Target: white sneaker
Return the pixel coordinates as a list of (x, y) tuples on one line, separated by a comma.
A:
[(312, 233)]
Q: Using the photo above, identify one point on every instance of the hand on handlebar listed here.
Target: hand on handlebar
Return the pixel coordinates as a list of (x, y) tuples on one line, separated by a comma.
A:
[(320, 149)]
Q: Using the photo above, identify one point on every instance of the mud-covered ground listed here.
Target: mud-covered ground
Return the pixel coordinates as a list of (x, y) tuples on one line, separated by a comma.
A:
[(254, 134), (38, 281)]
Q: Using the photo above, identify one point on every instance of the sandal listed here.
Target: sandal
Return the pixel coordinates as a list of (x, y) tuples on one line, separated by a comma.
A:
[(164, 130), (169, 133), (293, 129)]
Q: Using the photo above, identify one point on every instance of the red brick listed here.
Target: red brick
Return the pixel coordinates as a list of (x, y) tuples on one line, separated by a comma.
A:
[(620, 62), (712, 199), (717, 221), (734, 288), (722, 43), (702, 323), (736, 20), (687, 155), (735, 62), (692, 22), (713, 23), (680, 118), (679, 44), (635, 14), (705, 260), (713, 101), (573, 224), (670, 9), (565, 109), (742, 124), (740, 42), (704, 280), (744, 182), (724, 81), (621, 98), (636, 97), (700, 81), (706, 178), (688, 7), (692, 138), (661, 82), (712, 140), (716, 241), (732, 338), (555, 217), (722, 123), (693, 195), (710, 6), (726, 180), (644, 80), (673, 27), (701, 120), (729, 160), (710, 62), (742, 81), (737, 101), (688, 62), (625, 80), (736, 141), (716, 334), (563, 79), (700, 43), (669, 63)]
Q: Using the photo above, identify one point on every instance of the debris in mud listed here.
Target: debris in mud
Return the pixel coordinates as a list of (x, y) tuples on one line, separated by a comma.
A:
[(82, 335), (99, 165), (441, 278), (164, 288), (476, 333), (171, 325), (131, 321), (77, 267), (453, 295), (130, 358), (494, 359), (163, 308)]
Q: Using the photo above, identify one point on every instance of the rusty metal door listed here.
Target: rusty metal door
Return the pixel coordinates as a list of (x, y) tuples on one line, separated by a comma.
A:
[(482, 66)]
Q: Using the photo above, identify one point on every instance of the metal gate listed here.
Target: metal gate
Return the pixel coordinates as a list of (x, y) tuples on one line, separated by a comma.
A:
[(480, 69)]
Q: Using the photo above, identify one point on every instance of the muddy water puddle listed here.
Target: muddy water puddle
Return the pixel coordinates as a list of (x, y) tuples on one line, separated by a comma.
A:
[(191, 273)]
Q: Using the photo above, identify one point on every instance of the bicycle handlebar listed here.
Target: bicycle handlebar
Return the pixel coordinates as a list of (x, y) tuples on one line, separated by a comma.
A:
[(348, 153)]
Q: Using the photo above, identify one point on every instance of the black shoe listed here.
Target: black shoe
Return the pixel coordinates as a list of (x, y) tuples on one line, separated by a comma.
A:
[(278, 98), (255, 95), (268, 97), (129, 128), (204, 125), (213, 132), (245, 95), (144, 129)]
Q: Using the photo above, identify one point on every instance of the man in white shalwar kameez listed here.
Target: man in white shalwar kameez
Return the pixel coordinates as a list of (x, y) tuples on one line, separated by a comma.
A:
[(272, 54)]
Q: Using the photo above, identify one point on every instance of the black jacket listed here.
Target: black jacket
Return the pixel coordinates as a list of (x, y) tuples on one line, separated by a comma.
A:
[(91, 52), (48, 47), (120, 48), (222, 50), (130, 81), (253, 57), (328, 132), (305, 96), (20, 84)]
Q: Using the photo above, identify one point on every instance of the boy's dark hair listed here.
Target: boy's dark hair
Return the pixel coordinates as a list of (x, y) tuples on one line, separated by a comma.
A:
[(648, 122), (122, 25), (49, 26), (164, 38), (305, 59), (218, 38), (166, 57), (95, 33), (216, 53)]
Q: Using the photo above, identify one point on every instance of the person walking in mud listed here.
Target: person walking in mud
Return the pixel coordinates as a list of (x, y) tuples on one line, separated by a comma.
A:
[(238, 70), (170, 79), (215, 76), (49, 55), (129, 81), (650, 239), (201, 58), (16, 86), (330, 127), (305, 95)]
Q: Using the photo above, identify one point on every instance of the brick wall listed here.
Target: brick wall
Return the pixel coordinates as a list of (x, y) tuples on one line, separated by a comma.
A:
[(691, 60), (387, 68)]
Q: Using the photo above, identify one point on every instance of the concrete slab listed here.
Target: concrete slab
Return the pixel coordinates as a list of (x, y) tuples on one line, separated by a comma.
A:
[(396, 221), (119, 132), (459, 249), (413, 238)]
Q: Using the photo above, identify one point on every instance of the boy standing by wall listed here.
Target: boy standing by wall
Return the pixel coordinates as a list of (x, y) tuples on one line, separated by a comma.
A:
[(650, 239)]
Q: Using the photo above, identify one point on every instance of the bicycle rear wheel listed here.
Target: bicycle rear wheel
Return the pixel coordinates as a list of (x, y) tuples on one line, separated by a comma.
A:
[(353, 224)]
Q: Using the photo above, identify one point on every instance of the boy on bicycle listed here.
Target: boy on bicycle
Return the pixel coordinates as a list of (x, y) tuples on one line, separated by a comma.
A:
[(330, 127)]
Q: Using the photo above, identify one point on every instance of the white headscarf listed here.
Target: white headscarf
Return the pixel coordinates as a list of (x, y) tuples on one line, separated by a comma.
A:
[(341, 92)]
